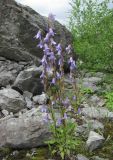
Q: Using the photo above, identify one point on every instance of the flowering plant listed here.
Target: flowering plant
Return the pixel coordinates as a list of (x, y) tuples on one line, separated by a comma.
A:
[(63, 141)]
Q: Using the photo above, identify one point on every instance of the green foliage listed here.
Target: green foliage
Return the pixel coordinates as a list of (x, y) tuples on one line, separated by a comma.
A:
[(5, 151), (86, 90), (41, 154), (109, 100), (92, 29), (64, 142)]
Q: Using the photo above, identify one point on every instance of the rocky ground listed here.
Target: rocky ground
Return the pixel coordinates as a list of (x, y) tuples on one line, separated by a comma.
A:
[(22, 128)]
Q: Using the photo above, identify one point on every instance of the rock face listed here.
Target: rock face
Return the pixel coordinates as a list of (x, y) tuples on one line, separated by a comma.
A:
[(11, 100), (18, 25), (26, 131)]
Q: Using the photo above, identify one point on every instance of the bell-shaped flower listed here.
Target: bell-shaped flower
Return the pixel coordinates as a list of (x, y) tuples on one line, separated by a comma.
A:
[(74, 97), (42, 75), (72, 64), (44, 60), (51, 17), (58, 76), (44, 109), (47, 37), (46, 49), (38, 35), (65, 116), (66, 102), (53, 81), (59, 122), (68, 49), (60, 62), (58, 47), (52, 42), (51, 32), (40, 45), (52, 57)]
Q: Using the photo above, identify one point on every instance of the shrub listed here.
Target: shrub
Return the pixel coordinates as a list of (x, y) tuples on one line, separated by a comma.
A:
[(92, 29)]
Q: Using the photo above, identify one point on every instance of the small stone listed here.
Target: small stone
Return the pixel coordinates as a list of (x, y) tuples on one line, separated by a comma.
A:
[(27, 94), (28, 155), (29, 103), (40, 99), (91, 125), (15, 153), (98, 158), (81, 157), (5, 112), (34, 151), (94, 141)]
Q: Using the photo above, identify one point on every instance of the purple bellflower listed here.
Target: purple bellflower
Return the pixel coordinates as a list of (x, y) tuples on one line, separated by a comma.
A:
[(65, 116), (58, 47), (44, 60), (60, 62), (52, 57), (68, 49), (38, 35), (40, 45), (74, 97), (46, 49), (51, 32), (47, 37), (42, 75), (44, 109), (58, 76), (52, 41), (53, 81), (59, 122), (66, 102), (72, 64), (51, 17)]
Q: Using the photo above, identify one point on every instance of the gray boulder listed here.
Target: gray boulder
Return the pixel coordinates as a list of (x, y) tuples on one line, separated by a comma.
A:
[(29, 80), (97, 113), (27, 131), (94, 141), (6, 78), (11, 100), (18, 26)]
